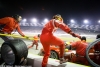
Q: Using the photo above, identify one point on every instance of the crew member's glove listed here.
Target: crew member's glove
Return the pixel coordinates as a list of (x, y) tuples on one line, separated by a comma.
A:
[(26, 37), (74, 35)]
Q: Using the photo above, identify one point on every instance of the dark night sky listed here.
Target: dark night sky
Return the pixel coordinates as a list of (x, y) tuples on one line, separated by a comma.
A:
[(78, 9)]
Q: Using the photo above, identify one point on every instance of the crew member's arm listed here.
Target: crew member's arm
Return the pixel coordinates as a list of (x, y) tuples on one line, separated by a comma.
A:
[(65, 28), (19, 31)]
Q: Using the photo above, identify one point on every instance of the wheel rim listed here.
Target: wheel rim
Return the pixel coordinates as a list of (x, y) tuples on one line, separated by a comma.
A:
[(53, 55), (8, 54)]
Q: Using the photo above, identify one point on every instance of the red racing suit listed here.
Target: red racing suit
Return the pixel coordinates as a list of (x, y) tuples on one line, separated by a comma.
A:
[(35, 42), (80, 47), (47, 38), (10, 24), (97, 56)]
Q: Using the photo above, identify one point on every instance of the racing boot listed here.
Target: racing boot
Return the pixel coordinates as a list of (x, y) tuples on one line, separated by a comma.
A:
[(62, 60)]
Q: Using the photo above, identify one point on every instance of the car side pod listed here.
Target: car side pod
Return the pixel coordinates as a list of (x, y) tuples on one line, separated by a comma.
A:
[(14, 52)]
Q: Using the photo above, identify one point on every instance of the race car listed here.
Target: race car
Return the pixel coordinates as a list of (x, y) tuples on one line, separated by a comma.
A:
[(54, 52), (69, 54)]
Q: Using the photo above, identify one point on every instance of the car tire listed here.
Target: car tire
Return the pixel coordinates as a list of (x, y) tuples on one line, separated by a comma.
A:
[(1, 60), (13, 52), (92, 63), (54, 54)]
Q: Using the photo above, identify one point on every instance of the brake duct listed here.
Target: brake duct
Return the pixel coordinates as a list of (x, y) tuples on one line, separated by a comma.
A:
[(87, 51)]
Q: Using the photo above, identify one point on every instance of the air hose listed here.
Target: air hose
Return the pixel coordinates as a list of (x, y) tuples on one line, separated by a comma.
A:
[(87, 51), (17, 36)]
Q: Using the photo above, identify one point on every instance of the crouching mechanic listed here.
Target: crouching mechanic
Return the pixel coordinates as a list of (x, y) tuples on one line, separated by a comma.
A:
[(97, 51), (8, 25), (47, 38), (80, 47), (35, 41)]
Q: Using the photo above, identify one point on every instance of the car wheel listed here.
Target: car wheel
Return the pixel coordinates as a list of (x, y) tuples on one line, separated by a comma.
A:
[(54, 54)]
